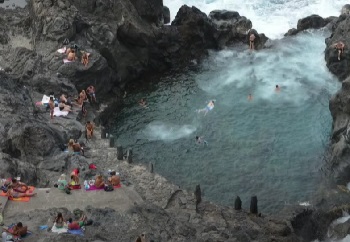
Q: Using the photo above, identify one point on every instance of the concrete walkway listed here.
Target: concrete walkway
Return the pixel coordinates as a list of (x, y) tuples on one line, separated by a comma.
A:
[(121, 199)]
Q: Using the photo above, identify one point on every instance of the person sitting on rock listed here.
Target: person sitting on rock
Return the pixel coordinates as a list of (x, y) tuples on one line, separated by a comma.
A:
[(59, 221), (251, 41), (18, 230), (13, 194), (65, 99), (75, 225), (89, 130), (114, 179), (99, 182), (340, 48), (77, 148), (18, 186), (63, 107), (71, 55), (85, 58), (91, 92), (70, 145), (83, 96), (74, 176)]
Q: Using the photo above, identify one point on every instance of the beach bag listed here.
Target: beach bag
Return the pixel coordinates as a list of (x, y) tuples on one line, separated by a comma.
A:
[(109, 188)]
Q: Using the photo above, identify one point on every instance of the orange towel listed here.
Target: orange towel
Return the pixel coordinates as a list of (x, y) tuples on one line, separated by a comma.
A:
[(20, 199)]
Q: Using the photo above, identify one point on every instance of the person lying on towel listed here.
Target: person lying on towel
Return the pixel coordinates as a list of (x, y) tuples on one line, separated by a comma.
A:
[(12, 194), (19, 186), (17, 230)]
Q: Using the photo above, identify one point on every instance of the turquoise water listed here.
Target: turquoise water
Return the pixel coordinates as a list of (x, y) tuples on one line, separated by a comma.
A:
[(271, 146)]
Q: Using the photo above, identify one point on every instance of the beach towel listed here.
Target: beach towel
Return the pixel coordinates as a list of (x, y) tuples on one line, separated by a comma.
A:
[(57, 112), (75, 187), (45, 99), (93, 188), (20, 199), (67, 61), (76, 232), (62, 50), (62, 230)]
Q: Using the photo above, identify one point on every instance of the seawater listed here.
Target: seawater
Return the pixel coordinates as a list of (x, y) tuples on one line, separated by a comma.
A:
[(272, 146), (272, 17)]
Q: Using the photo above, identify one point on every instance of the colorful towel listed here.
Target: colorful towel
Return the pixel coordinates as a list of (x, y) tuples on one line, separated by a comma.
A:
[(62, 50), (93, 188), (75, 187), (21, 199), (62, 230), (76, 232), (57, 112)]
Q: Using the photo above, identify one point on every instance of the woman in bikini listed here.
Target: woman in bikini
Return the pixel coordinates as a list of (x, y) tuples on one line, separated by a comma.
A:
[(13, 194), (59, 221)]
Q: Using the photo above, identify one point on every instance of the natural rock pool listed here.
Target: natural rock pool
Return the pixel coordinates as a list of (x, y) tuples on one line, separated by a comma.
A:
[(272, 146)]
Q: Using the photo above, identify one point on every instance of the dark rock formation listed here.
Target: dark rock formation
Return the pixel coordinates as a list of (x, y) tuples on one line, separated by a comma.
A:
[(341, 32), (231, 26), (166, 15), (311, 22), (345, 9)]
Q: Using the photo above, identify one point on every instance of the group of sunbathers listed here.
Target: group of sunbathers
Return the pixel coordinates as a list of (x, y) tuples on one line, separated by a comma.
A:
[(60, 222), (72, 53)]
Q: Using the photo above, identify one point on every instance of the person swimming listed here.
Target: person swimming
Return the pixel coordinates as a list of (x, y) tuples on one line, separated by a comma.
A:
[(250, 97), (208, 108), (277, 89), (200, 140)]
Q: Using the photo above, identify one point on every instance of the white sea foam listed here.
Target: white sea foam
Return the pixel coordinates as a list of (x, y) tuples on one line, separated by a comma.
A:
[(167, 132), (291, 64), (272, 17)]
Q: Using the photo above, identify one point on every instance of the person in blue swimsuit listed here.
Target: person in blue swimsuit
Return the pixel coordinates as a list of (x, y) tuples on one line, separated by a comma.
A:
[(208, 108)]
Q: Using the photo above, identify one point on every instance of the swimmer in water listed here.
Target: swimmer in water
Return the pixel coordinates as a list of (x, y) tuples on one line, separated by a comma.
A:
[(208, 108), (277, 89), (250, 97), (200, 140), (143, 103)]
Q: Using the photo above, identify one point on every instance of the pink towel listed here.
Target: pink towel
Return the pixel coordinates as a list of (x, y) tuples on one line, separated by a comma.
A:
[(93, 188)]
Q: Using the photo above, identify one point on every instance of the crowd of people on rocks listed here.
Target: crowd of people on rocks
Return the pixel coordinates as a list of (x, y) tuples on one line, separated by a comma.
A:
[(66, 104)]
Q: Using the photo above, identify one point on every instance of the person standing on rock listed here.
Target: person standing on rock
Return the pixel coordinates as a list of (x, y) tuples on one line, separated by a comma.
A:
[(52, 106), (89, 130), (91, 93), (340, 48), (251, 41)]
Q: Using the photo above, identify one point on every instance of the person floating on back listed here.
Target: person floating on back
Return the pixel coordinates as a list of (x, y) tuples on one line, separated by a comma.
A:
[(208, 108), (340, 48), (251, 41)]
